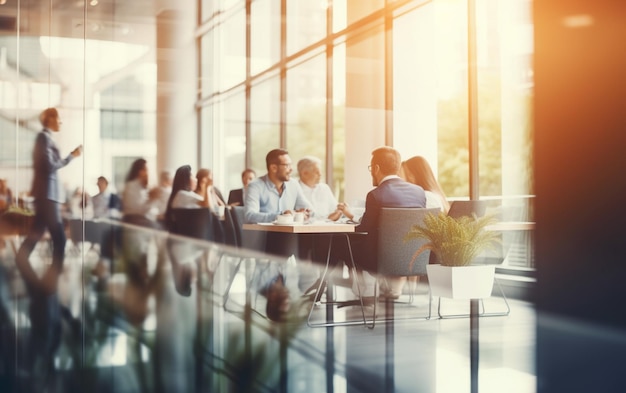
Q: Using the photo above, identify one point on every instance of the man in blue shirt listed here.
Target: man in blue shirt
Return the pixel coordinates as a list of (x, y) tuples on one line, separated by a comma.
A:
[(271, 195), (275, 193)]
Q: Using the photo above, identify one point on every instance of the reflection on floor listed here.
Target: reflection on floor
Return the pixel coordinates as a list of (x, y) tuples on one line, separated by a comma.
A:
[(132, 331)]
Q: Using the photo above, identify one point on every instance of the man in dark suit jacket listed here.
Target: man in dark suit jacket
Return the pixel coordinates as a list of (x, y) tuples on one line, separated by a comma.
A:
[(48, 196), (390, 191)]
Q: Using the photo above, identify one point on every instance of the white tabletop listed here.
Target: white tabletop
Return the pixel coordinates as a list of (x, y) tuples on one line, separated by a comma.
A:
[(315, 227), (511, 226)]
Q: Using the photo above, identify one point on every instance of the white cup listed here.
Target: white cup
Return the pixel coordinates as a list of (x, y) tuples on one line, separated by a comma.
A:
[(284, 219), (298, 217)]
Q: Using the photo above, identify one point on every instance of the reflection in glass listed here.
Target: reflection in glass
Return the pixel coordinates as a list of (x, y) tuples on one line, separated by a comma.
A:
[(233, 146), (306, 109), (338, 131), (232, 50), (414, 88), (452, 105), (208, 56), (265, 34), (306, 23), (264, 121)]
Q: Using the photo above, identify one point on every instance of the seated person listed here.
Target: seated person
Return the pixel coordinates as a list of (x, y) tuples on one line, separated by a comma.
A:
[(105, 203), (390, 191), (319, 194), (237, 197), (162, 191), (79, 205), (182, 195), (139, 204), (416, 170), (273, 194), (211, 195)]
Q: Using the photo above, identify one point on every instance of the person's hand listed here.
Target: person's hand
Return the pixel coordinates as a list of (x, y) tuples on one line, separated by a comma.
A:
[(154, 193), (76, 152), (345, 209)]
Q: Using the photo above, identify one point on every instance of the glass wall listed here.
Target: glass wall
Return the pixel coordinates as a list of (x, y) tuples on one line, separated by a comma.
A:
[(342, 77), (98, 71), (306, 108)]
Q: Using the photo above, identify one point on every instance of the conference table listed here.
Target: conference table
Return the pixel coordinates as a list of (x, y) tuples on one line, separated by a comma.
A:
[(333, 230)]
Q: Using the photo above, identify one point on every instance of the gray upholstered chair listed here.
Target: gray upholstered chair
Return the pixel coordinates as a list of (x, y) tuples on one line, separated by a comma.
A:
[(467, 208), (394, 254)]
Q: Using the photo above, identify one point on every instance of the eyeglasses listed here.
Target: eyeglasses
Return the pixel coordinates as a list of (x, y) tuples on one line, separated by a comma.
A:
[(285, 165)]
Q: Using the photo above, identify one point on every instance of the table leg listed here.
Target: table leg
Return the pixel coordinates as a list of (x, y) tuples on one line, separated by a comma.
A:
[(330, 300), (474, 345)]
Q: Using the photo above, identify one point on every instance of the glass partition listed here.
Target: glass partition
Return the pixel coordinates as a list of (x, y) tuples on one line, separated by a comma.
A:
[(306, 109), (265, 107)]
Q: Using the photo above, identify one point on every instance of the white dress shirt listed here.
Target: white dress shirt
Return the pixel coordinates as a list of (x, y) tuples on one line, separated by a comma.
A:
[(321, 197)]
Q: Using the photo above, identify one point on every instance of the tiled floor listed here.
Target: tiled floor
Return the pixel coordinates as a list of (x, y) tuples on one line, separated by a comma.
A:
[(133, 332)]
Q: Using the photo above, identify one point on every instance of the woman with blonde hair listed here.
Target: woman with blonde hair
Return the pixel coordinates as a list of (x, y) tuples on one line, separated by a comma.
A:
[(416, 170)]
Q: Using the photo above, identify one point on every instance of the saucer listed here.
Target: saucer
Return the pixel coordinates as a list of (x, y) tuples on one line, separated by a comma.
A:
[(287, 223)]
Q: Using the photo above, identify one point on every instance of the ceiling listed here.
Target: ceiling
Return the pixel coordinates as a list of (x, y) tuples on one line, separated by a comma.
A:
[(112, 20)]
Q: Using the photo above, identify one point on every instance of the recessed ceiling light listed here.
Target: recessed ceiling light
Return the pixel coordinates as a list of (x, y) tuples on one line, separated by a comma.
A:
[(578, 21), (93, 3)]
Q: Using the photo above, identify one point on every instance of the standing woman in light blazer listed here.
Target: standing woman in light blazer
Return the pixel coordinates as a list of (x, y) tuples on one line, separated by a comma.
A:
[(48, 196)]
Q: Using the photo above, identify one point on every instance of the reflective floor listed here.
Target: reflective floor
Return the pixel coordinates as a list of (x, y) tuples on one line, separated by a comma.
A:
[(155, 313)]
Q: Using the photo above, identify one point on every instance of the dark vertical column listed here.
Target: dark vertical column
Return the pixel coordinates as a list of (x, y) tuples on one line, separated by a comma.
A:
[(580, 209), (474, 347)]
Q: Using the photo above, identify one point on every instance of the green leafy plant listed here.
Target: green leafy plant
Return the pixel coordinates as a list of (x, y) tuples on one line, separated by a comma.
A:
[(14, 209), (16, 220), (455, 241)]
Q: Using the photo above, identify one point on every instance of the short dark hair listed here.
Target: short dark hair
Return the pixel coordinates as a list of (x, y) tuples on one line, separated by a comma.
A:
[(104, 179), (246, 171), (388, 159), (272, 157)]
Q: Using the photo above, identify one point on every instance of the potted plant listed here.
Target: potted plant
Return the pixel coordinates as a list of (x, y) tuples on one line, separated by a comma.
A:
[(456, 242), (16, 221)]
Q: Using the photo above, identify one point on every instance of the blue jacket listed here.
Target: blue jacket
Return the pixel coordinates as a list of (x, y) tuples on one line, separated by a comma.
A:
[(393, 192), (46, 162)]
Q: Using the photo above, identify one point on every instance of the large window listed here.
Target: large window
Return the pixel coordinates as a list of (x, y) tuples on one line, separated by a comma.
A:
[(264, 120), (265, 34), (306, 109), (306, 23), (383, 72)]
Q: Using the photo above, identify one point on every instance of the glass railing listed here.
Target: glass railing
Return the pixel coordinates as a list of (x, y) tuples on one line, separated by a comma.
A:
[(143, 310)]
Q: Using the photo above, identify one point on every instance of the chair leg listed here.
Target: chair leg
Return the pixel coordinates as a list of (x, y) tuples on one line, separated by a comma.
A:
[(375, 303), (506, 303)]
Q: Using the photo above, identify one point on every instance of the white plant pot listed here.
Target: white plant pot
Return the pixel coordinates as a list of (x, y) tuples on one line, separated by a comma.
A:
[(461, 282)]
